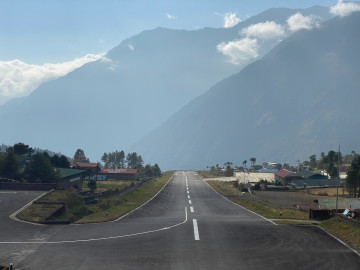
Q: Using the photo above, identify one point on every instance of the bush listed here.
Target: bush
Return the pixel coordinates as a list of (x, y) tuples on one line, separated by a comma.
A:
[(243, 188), (105, 205), (92, 184)]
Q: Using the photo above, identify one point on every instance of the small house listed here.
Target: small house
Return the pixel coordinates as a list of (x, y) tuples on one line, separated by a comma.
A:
[(120, 174), (70, 178), (281, 176)]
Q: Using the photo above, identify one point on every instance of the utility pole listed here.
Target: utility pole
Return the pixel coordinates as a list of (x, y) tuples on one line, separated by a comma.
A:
[(337, 186), (339, 163)]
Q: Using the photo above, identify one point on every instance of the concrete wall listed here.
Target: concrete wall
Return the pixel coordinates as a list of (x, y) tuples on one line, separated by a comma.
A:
[(25, 186), (254, 177)]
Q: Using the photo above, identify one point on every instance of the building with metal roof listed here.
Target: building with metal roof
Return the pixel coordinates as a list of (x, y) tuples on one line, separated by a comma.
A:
[(316, 182), (120, 174), (70, 178)]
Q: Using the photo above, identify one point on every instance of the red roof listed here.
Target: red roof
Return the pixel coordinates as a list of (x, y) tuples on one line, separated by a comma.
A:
[(118, 171), (87, 165), (283, 173)]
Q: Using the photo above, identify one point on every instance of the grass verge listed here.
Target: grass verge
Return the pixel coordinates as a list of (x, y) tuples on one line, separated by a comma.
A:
[(72, 208), (346, 232), (116, 206), (44, 208), (294, 222), (102, 186), (259, 207)]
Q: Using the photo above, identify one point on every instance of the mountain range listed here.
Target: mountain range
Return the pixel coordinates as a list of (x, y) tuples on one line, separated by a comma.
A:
[(299, 99), (114, 102)]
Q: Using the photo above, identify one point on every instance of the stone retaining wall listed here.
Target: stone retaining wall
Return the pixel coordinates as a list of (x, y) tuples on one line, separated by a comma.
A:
[(26, 186)]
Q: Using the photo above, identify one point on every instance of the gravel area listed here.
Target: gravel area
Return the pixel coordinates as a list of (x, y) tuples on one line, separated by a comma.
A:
[(284, 198), (222, 179)]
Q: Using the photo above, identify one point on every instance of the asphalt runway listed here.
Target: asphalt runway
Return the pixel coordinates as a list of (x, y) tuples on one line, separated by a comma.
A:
[(186, 226)]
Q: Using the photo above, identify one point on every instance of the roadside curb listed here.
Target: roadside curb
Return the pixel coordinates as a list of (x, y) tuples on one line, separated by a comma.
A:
[(119, 218), (13, 215), (341, 241), (314, 222), (146, 201)]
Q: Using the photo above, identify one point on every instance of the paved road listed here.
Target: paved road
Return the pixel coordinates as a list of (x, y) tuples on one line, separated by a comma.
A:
[(213, 234)]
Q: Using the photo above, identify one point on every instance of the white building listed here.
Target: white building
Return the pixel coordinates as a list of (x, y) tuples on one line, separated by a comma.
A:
[(3, 148)]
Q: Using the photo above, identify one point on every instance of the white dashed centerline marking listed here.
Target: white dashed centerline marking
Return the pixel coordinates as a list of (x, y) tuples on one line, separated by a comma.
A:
[(196, 230), (191, 209), (188, 196), (188, 192), (189, 201)]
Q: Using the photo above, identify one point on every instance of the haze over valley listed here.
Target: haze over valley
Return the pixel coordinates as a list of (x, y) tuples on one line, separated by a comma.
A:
[(179, 134), (279, 85)]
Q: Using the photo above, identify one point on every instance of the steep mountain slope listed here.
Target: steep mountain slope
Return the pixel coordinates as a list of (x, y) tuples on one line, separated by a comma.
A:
[(300, 99), (109, 104)]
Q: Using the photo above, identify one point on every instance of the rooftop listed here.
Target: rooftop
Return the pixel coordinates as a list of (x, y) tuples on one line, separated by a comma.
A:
[(313, 182), (307, 174), (118, 171), (68, 172), (87, 165), (283, 173)]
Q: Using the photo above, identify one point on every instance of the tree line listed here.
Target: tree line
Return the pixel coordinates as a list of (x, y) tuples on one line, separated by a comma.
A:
[(118, 160), (22, 162)]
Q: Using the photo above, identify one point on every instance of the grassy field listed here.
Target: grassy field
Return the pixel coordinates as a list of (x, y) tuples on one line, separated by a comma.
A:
[(262, 208), (102, 186), (109, 208), (115, 207), (348, 233), (327, 191), (45, 207)]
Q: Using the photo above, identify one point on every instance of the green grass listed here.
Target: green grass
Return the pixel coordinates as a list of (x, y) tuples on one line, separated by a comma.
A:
[(346, 232), (108, 185), (45, 207), (109, 208), (294, 222), (115, 207), (259, 207)]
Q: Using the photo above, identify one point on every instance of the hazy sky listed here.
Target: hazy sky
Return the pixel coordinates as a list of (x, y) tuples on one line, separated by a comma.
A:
[(43, 31)]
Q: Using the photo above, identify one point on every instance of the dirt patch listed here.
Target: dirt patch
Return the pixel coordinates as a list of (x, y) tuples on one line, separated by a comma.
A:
[(222, 179), (327, 191), (284, 199)]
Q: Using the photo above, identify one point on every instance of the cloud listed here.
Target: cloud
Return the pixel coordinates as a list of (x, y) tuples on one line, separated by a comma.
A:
[(239, 51), (131, 47), (299, 21), (344, 9), (170, 16), (265, 119), (266, 31), (19, 79), (230, 20)]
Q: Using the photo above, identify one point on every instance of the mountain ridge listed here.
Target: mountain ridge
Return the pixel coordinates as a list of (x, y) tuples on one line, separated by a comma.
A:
[(304, 86), (111, 103)]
